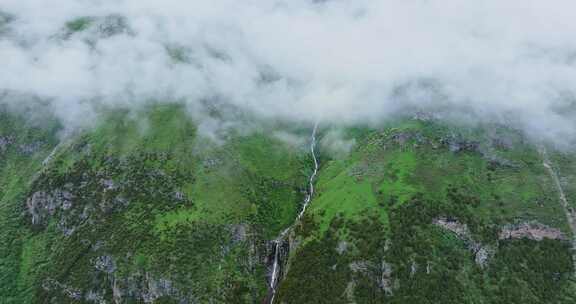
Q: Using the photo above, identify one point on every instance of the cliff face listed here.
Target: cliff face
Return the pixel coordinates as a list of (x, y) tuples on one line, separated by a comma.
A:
[(142, 208)]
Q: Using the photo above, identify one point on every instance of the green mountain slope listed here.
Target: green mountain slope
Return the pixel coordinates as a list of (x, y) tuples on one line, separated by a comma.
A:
[(417, 213), (144, 208), (146, 215)]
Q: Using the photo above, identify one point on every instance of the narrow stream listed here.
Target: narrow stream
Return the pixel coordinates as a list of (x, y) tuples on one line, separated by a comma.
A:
[(274, 277), (568, 210)]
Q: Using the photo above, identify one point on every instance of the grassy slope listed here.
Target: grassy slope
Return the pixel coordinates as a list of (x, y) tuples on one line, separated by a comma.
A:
[(252, 181), (187, 198), (20, 251), (181, 200), (381, 199)]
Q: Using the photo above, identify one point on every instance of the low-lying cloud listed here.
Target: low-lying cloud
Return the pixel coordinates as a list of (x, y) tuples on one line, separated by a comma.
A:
[(339, 61)]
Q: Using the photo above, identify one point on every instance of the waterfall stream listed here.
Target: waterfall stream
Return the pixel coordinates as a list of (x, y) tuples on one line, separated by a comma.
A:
[(274, 277)]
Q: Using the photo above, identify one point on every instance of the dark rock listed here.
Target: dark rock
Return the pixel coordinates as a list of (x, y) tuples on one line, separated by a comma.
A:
[(5, 143), (31, 148), (43, 204), (105, 263), (530, 230), (456, 145)]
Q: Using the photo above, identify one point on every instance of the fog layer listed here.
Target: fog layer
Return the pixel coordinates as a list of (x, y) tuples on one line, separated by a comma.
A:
[(339, 61)]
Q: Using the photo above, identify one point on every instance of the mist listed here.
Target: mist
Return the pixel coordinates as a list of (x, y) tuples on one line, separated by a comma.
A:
[(339, 61)]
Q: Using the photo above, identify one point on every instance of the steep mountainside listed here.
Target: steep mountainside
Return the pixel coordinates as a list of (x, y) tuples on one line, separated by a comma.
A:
[(420, 212), (144, 208)]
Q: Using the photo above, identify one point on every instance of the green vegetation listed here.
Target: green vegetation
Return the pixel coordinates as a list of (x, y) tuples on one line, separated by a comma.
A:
[(23, 146), (144, 202), (97, 27), (163, 203), (377, 207), (79, 24)]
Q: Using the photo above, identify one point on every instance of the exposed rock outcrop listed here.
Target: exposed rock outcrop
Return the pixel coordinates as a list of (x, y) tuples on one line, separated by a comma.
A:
[(456, 144), (105, 263), (533, 230), (43, 204), (143, 288), (386, 278), (482, 253), (140, 287), (5, 142), (30, 148)]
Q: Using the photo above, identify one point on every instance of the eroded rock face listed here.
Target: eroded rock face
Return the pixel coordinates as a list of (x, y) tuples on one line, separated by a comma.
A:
[(212, 163), (105, 263), (533, 231), (9, 141), (461, 230), (69, 291), (359, 266), (342, 247), (482, 256), (481, 252), (142, 288), (502, 143), (148, 289), (382, 274), (5, 142), (239, 233), (43, 204), (386, 278), (30, 148), (456, 144)]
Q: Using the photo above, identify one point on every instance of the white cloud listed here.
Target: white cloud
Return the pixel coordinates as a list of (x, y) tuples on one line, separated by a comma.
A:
[(335, 60), (336, 144)]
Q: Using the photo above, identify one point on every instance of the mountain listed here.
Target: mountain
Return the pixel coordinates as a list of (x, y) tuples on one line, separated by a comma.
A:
[(149, 207)]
